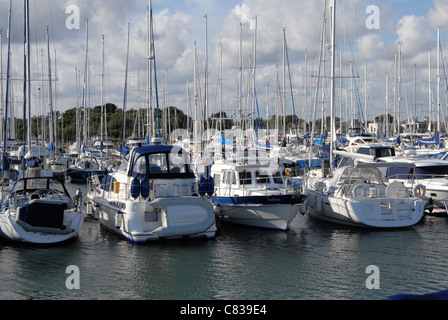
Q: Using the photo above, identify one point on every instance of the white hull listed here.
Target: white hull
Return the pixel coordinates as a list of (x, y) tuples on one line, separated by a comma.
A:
[(373, 213), (12, 230), (173, 218), (276, 217)]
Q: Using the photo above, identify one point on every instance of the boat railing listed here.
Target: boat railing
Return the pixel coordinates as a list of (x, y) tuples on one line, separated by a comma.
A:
[(122, 191), (248, 187), (420, 177)]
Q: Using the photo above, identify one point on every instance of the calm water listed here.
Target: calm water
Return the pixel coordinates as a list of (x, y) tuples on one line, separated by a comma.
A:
[(313, 260)]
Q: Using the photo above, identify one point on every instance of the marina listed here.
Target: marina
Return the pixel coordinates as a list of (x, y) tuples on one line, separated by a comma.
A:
[(312, 261), (253, 197)]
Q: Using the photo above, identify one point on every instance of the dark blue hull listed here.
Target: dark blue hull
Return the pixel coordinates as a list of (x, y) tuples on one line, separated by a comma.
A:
[(76, 175), (260, 200)]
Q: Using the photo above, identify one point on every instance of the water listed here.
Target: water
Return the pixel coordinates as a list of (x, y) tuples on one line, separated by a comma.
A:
[(313, 260)]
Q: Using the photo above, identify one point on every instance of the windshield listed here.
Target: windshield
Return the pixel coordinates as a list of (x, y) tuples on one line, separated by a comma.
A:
[(428, 172), (162, 165), (32, 184), (431, 172), (351, 174)]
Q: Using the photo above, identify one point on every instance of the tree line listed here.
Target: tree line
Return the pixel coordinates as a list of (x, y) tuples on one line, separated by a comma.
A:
[(170, 118)]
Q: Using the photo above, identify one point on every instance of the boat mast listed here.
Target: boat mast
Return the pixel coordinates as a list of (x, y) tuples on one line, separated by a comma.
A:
[(84, 93), (240, 87), (102, 91), (429, 94), (387, 120), (123, 125), (316, 93), (2, 105), (254, 70), (27, 9), (152, 58), (24, 71), (284, 82), (399, 89), (365, 97), (8, 64), (50, 98), (438, 80), (332, 78), (150, 114), (206, 80)]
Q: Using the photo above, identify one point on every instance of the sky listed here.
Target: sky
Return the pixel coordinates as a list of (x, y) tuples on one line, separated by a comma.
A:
[(180, 26)]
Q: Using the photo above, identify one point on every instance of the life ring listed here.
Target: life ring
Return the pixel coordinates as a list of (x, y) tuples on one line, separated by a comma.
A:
[(419, 191), (359, 190)]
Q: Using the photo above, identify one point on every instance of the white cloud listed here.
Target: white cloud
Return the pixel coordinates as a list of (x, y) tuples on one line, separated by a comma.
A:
[(371, 46), (438, 16), (415, 34)]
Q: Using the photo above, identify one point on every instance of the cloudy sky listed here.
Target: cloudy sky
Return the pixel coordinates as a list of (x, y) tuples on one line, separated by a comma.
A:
[(180, 24)]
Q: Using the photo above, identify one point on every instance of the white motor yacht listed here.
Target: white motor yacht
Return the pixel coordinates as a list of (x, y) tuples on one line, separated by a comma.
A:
[(152, 196), (253, 192)]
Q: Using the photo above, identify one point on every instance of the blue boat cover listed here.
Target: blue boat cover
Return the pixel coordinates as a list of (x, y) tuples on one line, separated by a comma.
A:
[(442, 295)]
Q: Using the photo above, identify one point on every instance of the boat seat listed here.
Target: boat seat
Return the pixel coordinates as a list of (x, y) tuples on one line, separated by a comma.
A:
[(175, 170), (42, 213), (155, 170)]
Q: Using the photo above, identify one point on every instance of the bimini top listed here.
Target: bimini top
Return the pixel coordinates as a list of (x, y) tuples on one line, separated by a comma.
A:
[(160, 161), (155, 149)]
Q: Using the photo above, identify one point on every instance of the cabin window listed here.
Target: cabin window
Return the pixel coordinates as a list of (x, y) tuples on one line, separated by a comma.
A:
[(140, 166), (158, 163), (245, 177), (123, 165), (431, 172), (177, 164), (262, 177), (278, 179), (399, 173), (217, 178), (233, 178), (226, 177)]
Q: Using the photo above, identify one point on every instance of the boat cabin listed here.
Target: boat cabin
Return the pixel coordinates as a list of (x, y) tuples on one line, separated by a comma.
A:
[(247, 180), (158, 162)]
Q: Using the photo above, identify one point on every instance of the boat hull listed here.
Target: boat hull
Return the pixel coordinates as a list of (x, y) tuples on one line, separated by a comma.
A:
[(82, 175), (14, 230), (145, 221), (269, 212), (369, 213)]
